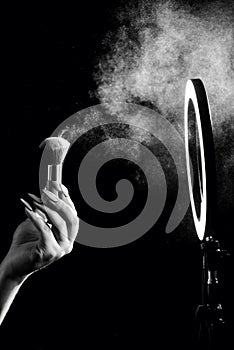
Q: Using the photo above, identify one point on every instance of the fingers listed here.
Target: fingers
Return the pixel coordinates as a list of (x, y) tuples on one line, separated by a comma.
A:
[(37, 211), (46, 234), (61, 215), (42, 215), (59, 227), (35, 198), (63, 193), (61, 207), (60, 211)]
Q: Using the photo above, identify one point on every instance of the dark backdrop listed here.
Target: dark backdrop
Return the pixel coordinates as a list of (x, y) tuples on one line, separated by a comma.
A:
[(140, 294)]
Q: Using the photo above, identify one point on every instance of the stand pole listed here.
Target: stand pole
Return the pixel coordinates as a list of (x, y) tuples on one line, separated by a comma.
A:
[(210, 316)]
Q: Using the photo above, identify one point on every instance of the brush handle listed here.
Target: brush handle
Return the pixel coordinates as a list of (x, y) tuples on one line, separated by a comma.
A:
[(54, 176)]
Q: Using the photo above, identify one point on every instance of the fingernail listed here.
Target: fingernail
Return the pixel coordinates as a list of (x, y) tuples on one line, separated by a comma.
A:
[(49, 195), (64, 190), (38, 204), (41, 215), (28, 212), (28, 206), (42, 144), (37, 199)]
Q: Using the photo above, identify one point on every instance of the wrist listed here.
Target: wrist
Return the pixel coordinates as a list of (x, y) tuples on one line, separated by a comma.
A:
[(8, 275), (9, 287)]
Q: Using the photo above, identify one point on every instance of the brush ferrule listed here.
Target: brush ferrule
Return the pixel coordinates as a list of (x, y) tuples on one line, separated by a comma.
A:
[(55, 173)]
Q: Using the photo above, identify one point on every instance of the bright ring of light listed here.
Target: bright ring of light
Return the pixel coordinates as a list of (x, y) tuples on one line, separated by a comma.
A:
[(191, 94)]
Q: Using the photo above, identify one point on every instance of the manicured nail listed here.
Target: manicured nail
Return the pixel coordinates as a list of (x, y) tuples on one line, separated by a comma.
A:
[(40, 214), (28, 213), (42, 144), (64, 190), (26, 204), (31, 214), (37, 199), (39, 206), (50, 196)]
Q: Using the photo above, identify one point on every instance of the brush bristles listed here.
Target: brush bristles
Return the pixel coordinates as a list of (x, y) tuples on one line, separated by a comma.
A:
[(56, 149)]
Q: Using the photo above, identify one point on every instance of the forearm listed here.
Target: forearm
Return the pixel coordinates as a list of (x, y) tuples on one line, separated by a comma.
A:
[(9, 287)]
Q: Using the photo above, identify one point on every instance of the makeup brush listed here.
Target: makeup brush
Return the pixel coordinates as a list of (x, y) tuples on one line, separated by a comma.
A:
[(56, 149)]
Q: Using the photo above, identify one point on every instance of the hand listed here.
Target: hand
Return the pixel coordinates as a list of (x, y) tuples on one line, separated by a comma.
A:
[(36, 243)]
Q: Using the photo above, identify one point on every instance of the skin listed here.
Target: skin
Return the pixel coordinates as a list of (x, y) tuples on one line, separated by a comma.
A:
[(36, 244)]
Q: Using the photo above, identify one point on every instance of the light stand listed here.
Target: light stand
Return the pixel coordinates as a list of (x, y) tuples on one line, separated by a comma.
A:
[(200, 158)]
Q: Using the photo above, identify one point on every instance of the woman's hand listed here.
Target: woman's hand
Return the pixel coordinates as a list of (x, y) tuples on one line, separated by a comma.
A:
[(37, 243)]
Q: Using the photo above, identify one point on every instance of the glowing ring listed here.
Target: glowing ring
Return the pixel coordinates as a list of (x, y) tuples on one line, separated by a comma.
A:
[(195, 92)]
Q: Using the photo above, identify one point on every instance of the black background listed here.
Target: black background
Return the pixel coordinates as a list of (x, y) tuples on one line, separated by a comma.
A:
[(145, 293)]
